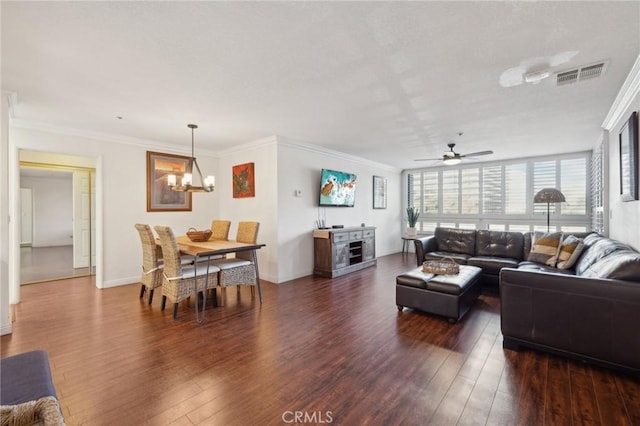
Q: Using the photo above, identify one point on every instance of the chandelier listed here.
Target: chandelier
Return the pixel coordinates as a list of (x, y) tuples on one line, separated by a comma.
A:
[(186, 181)]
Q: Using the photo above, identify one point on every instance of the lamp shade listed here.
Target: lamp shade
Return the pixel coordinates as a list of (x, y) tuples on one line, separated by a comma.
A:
[(549, 195)]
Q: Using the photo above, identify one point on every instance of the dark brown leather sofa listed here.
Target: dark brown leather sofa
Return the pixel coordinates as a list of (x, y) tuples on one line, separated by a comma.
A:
[(489, 250), (590, 312)]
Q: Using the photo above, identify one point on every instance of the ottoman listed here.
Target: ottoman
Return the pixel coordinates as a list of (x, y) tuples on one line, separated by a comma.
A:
[(447, 295)]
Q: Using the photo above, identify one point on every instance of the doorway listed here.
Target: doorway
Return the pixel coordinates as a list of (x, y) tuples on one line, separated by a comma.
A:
[(57, 209)]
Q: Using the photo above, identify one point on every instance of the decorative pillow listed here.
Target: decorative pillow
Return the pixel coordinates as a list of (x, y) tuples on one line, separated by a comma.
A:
[(570, 251), (545, 248)]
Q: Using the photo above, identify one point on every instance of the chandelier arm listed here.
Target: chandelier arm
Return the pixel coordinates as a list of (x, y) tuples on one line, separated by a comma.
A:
[(199, 172)]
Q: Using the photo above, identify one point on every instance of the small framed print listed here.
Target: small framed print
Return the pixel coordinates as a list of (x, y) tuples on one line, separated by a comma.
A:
[(379, 192), (244, 181)]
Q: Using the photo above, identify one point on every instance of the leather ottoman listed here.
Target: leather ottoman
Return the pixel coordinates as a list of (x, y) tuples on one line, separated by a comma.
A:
[(447, 295)]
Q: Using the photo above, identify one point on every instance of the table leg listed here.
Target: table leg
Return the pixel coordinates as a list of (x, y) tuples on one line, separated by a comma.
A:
[(255, 265), (200, 320)]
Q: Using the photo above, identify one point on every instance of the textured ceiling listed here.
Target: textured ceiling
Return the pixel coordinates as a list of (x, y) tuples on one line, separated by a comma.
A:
[(386, 81)]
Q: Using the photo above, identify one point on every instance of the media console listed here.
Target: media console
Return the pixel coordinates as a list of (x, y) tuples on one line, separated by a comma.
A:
[(340, 251)]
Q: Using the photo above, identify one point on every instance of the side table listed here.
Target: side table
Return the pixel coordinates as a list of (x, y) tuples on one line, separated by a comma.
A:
[(405, 243)]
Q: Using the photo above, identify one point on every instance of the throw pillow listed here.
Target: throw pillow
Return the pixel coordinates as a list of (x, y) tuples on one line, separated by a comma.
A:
[(545, 248), (570, 251)]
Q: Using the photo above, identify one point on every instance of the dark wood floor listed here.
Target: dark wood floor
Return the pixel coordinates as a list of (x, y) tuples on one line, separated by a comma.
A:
[(336, 351)]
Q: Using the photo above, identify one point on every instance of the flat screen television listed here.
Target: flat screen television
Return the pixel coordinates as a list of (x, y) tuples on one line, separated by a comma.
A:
[(337, 189)]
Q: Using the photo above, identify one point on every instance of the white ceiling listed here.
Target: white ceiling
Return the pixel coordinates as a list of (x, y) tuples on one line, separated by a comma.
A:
[(386, 81)]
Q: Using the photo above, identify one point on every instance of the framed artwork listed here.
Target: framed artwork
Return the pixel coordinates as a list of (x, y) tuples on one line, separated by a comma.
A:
[(379, 192), (244, 184), (160, 198), (629, 158)]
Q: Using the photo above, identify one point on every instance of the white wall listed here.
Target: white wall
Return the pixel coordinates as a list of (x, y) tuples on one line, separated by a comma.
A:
[(5, 317), (52, 209), (624, 217), (299, 167), (263, 207), (120, 196), (286, 221)]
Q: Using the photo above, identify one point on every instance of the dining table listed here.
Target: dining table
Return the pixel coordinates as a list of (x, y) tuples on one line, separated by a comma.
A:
[(206, 250)]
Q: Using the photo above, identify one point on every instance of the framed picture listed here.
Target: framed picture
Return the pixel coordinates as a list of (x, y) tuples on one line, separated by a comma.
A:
[(379, 192), (244, 184), (160, 198), (629, 159)]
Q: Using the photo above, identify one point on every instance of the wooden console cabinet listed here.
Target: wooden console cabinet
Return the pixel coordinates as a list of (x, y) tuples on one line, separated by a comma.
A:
[(343, 250)]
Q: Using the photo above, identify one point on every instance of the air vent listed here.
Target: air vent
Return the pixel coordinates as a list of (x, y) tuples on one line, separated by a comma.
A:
[(585, 72), (567, 77)]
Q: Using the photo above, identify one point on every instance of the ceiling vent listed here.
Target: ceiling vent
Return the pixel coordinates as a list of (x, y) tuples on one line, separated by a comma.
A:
[(585, 72)]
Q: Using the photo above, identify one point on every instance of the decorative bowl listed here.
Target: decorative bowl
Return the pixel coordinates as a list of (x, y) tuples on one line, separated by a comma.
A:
[(199, 236)]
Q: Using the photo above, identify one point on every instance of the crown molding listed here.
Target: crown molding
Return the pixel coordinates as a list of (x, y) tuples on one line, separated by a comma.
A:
[(12, 101), (106, 137), (258, 143), (628, 92), (290, 143)]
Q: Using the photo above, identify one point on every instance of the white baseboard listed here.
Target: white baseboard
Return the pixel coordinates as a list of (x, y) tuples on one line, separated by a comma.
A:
[(121, 281)]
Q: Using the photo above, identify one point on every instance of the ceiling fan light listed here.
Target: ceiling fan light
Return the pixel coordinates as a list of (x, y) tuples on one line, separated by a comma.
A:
[(451, 161), (536, 76)]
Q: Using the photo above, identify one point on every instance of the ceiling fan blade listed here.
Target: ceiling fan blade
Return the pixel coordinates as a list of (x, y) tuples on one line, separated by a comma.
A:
[(427, 159), (475, 154)]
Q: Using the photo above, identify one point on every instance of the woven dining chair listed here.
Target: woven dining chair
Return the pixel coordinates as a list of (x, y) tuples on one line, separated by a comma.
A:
[(179, 281), (239, 270), (220, 229), (151, 263)]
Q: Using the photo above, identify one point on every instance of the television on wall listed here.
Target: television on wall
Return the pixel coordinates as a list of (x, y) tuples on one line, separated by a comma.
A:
[(337, 189)]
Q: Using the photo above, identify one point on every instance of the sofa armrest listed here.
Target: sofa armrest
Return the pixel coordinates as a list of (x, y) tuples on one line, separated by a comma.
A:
[(593, 318), (423, 246)]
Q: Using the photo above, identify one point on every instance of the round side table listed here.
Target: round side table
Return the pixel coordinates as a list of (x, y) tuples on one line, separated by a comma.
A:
[(405, 243)]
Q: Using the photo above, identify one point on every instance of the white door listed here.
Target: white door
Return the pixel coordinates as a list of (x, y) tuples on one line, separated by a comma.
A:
[(93, 221), (26, 216), (81, 219)]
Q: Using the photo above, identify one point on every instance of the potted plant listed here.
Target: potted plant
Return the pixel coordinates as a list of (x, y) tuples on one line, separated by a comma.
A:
[(413, 213)]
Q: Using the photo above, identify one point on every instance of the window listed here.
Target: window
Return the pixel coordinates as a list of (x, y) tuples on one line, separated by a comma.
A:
[(470, 191), (499, 195), (492, 190), (573, 184), (450, 191), (515, 191), (597, 190)]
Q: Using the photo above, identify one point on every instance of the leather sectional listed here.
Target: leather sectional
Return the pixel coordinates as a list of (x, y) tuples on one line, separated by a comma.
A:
[(590, 311)]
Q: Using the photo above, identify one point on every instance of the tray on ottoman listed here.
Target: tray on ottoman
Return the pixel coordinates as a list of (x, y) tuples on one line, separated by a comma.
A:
[(447, 295)]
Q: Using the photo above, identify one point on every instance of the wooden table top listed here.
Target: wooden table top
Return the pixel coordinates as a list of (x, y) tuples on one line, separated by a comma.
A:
[(213, 247)]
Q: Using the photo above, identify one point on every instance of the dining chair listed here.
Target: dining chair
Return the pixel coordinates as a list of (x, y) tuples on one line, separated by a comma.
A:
[(240, 270), (151, 262), (220, 229), (179, 280)]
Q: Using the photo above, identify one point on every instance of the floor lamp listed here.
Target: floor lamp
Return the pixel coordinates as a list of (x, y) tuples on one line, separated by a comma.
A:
[(549, 195)]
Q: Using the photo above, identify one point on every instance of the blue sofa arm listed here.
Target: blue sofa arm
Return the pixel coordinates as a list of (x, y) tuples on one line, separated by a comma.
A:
[(27, 391)]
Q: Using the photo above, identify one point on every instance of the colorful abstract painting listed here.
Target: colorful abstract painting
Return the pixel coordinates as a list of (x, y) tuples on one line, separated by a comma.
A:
[(244, 181)]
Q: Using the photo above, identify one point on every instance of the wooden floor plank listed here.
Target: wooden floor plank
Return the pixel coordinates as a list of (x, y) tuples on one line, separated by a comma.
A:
[(315, 346), (610, 402), (558, 393), (584, 406)]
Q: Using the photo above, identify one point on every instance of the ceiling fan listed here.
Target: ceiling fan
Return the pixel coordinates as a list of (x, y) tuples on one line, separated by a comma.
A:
[(451, 157)]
